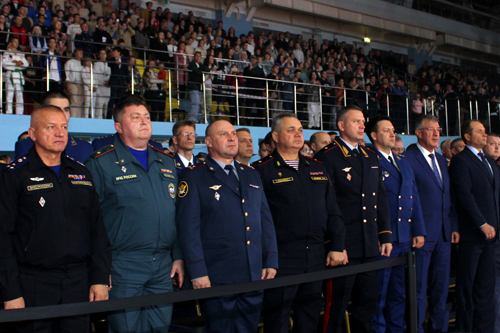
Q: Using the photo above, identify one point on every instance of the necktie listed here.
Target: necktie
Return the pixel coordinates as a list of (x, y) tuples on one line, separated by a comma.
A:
[(435, 169), (190, 164), (393, 163), (357, 153), (485, 162), (232, 176)]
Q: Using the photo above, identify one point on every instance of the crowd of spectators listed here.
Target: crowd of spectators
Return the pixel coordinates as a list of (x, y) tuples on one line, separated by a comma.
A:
[(162, 39)]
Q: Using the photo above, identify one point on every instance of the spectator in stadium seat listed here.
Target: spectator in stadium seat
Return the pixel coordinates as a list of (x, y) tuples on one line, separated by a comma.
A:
[(102, 38), (74, 85), (102, 74), (492, 147), (141, 39), (457, 146), (196, 68), (85, 41), (38, 44), (13, 62), (319, 140), (18, 31), (118, 81), (73, 29)]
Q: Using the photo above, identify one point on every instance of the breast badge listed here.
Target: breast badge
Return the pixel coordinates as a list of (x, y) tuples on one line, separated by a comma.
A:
[(183, 189)]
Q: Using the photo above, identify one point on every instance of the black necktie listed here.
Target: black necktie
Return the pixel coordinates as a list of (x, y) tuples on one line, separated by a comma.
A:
[(393, 163), (190, 164), (435, 169), (485, 162), (232, 176)]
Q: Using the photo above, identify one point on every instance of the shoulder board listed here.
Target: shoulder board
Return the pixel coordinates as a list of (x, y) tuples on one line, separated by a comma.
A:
[(103, 151), (328, 148), (16, 164), (247, 166), (161, 151), (196, 166), (368, 149), (313, 159), (264, 160), (71, 158), (104, 137)]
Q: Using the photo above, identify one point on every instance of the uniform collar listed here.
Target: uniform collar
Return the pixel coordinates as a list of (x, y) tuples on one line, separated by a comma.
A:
[(280, 162), (125, 156), (37, 163)]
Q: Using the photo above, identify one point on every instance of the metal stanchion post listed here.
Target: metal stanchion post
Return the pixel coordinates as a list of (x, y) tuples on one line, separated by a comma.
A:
[(407, 116), (92, 110), (237, 104), (446, 116), (170, 93), (132, 81), (295, 98), (459, 125), (470, 109), (411, 292), (387, 103), (477, 111), (489, 117), (267, 104), (320, 108), (204, 104), (48, 74)]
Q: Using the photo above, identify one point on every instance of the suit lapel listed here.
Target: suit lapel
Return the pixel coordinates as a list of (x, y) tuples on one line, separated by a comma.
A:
[(425, 165), (386, 165)]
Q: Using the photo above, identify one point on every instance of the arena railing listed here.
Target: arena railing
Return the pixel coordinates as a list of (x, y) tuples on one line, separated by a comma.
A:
[(237, 98), (57, 311)]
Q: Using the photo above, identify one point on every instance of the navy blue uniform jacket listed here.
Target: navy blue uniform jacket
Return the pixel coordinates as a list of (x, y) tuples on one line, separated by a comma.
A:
[(361, 197), (405, 211), (439, 215), (77, 149), (224, 233), (179, 165), (472, 192)]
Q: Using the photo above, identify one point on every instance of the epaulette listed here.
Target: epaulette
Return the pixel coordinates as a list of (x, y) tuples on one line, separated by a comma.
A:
[(247, 166), (104, 137), (369, 149), (16, 164), (161, 151), (263, 161), (196, 166), (313, 159), (103, 151), (328, 148), (71, 158)]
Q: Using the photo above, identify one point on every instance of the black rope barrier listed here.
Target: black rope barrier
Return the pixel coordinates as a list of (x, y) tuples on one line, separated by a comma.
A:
[(63, 310)]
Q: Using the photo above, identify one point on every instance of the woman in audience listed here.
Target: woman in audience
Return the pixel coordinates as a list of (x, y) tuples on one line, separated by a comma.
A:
[(181, 63)]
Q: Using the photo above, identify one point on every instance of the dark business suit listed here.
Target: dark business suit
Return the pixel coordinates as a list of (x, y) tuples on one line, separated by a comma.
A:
[(476, 193), (180, 166), (433, 259), (226, 232), (407, 222), (362, 200), (118, 80), (305, 215)]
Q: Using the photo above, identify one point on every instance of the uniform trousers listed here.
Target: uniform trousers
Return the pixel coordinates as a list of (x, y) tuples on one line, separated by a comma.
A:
[(433, 265), (391, 286), (77, 99), (101, 104), (233, 313), (476, 287), (304, 299), (14, 89), (43, 287), (362, 290), (137, 275)]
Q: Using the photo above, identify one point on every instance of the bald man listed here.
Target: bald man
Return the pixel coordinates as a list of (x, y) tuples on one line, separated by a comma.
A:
[(319, 140)]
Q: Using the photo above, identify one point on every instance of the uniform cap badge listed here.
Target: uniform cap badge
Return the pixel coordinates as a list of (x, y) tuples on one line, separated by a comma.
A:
[(349, 177)]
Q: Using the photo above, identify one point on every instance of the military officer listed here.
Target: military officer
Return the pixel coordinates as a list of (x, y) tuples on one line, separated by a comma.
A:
[(53, 244), (184, 138), (226, 230), (137, 186), (77, 149), (407, 225), (305, 214), (361, 196)]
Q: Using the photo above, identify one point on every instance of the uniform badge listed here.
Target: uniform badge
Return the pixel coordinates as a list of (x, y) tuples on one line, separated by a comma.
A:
[(36, 179), (280, 174), (278, 163), (183, 189), (215, 187), (318, 173), (166, 170), (217, 196), (386, 174), (171, 190), (76, 176), (42, 201), (178, 164), (124, 169), (349, 177), (347, 169), (254, 186)]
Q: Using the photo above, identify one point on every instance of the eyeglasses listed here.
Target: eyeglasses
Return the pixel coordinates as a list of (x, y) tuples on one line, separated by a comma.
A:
[(432, 129), (186, 134)]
